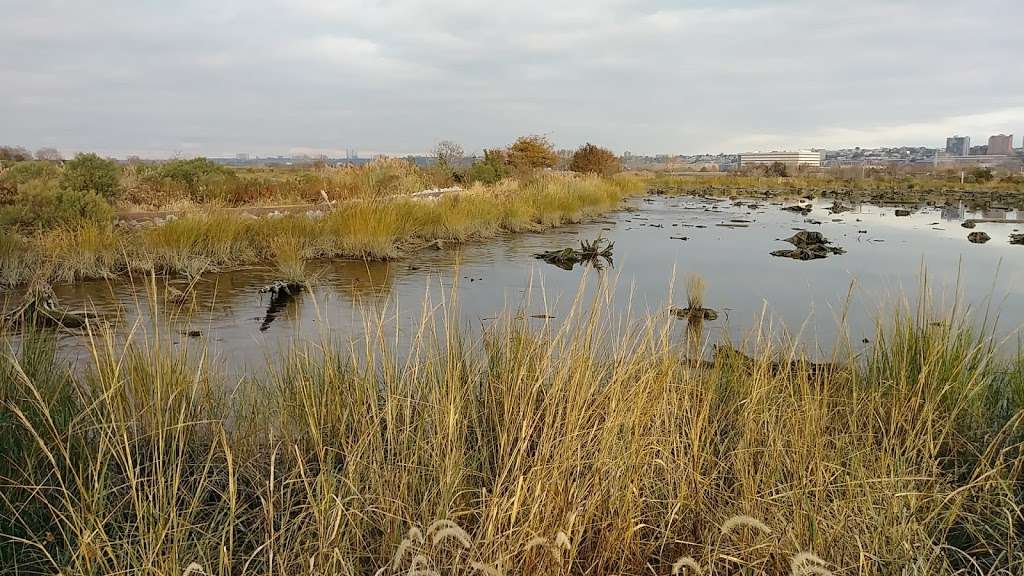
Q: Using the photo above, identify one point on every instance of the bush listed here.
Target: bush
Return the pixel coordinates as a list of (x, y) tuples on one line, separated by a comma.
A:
[(777, 169), (10, 154), (448, 155), (40, 204), (190, 173), (23, 173), (981, 175), (195, 179), (590, 159), (532, 152), (50, 154), (493, 168), (90, 172)]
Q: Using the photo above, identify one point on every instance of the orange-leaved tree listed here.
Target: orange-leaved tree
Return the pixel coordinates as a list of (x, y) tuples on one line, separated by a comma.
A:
[(531, 152), (594, 160)]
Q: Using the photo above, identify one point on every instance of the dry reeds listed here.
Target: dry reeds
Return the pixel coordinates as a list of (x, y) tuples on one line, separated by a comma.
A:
[(569, 448)]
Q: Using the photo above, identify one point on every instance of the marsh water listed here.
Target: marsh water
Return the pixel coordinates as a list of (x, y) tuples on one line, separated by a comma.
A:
[(727, 242)]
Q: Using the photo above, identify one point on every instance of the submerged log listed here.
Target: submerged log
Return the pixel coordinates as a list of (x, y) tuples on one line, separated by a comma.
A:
[(593, 252), (41, 309)]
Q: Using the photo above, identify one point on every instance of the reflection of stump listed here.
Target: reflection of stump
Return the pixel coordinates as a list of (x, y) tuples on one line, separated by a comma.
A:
[(695, 318), (281, 295)]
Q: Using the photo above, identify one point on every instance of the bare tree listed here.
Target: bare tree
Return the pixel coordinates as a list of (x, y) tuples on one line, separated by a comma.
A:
[(14, 153), (51, 154), (448, 153)]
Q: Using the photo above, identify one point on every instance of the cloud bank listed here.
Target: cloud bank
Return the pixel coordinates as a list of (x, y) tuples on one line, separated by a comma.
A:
[(269, 76)]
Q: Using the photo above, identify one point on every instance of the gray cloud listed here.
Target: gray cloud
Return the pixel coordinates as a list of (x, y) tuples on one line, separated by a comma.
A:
[(268, 76)]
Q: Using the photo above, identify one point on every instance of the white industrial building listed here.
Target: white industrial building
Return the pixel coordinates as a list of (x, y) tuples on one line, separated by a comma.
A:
[(798, 158)]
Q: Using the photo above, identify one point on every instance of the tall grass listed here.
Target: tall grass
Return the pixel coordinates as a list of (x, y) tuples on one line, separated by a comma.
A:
[(592, 446), (18, 259), (374, 229), (181, 183)]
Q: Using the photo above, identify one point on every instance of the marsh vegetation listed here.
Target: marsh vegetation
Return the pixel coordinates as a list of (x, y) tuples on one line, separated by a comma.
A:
[(62, 221), (597, 442), (590, 445)]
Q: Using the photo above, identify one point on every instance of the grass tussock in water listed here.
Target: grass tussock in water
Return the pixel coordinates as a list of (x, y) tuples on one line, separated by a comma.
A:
[(372, 229), (555, 449)]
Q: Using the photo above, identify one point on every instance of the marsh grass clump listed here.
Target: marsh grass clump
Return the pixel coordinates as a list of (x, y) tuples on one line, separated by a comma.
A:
[(18, 259), (695, 312), (587, 446), (695, 287), (289, 260)]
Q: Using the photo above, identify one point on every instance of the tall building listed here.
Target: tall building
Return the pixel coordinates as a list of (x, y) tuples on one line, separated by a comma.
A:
[(958, 145), (800, 158), (1001, 144)]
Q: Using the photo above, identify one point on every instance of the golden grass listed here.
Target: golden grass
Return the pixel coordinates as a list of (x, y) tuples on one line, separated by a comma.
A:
[(212, 239), (574, 448), (695, 288)]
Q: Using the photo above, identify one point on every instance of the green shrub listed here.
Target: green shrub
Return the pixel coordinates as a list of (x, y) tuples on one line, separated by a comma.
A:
[(40, 204), (190, 173), (981, 175), (777, 169), (197, 179), (90, 172), (24, 172), (493, 168)]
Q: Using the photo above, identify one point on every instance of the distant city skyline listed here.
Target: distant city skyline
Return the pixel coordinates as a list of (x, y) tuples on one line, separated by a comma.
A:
[(955, 145)]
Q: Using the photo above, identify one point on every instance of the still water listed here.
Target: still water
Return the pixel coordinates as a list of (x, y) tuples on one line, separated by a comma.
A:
[(727, 243)]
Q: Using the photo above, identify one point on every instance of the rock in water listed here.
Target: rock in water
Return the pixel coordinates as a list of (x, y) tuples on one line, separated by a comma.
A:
[(902, 212), (978, 237), (799, 209), (810, 245), (1017, 239), (807, 238)]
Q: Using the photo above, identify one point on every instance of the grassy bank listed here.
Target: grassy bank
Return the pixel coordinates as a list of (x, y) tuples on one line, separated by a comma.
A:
[(880, 187), (375, 229), (567, 449)]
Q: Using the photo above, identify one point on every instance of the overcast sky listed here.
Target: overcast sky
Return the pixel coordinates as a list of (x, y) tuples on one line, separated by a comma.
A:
[(187, 77)]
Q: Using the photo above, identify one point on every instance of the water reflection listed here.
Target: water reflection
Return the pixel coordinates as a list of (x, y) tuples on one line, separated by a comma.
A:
[(953, 212), (726, 242)]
